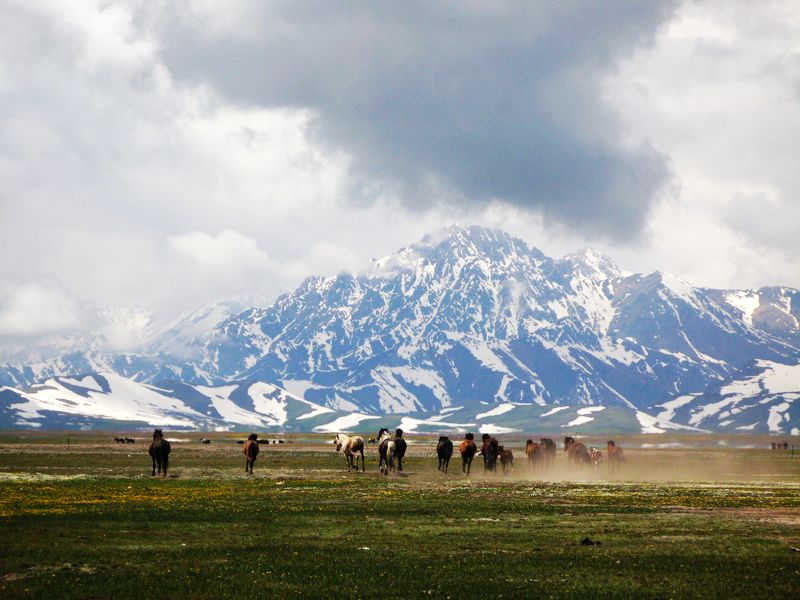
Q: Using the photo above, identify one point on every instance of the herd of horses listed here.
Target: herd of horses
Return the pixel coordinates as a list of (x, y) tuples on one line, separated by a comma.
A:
[(541, 455), (392, 449)]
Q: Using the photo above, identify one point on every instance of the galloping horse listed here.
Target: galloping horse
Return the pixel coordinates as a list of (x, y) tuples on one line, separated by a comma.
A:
[(535, 454), (251, 451), (399, 448), (597, 456), (386, 451), (159, 452), (468, 449), (444, 450), (549, 451), (506, 459), (576, 451), (490, 451), (615, 456), (351, 445)]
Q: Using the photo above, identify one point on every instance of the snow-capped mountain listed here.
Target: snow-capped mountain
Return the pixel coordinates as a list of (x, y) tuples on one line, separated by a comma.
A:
[(110, 401), (471, 316), (762, 397)]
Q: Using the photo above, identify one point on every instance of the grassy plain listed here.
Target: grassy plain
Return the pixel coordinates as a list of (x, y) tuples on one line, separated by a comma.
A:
[(80, 517)]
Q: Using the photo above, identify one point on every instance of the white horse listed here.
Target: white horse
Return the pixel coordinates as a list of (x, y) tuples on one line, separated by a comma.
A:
[(351, 445), (386, 451)]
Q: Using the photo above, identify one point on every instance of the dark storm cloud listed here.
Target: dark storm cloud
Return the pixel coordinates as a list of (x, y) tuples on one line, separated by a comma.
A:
[(485, 100)]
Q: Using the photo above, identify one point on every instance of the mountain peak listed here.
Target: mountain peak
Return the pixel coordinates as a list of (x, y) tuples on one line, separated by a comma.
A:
[(588, 261)]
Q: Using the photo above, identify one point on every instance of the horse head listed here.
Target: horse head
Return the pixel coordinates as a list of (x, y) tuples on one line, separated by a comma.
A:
[(252, 437), (610, 443), (568, 441), (157, 433), (338, 441), (469, 436), (398, 433)]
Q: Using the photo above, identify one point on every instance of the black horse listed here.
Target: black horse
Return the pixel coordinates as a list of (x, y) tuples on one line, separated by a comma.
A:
[(444, 450), (399, 448), (490, 449), (159, 452)]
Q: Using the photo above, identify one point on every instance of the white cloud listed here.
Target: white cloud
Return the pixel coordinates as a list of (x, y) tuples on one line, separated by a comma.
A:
[(36, 308)]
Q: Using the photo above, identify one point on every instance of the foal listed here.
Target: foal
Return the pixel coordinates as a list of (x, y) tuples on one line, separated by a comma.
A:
[(506, 459)]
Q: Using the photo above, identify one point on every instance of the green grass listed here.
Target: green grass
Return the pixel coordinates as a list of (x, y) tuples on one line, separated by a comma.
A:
[(89, 522)]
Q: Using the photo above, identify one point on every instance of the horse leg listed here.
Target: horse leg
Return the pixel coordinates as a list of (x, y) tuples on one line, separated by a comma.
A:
[(166, 462), (363, 464), (154, 466)]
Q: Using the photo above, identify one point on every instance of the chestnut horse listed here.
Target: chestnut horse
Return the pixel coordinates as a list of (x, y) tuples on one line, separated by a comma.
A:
[(159, 452), (576, 452), (535, 454), (615, 455), (468, 449), (251, 451), (444, 450), (351, 445)]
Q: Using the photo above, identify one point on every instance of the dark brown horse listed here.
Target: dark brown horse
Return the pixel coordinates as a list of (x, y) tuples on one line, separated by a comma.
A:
[(468, 449), (490, 451), (615, 455), (251, 451), (159, 452), (444, 450), (548, 451), (400, 447), (576, 452)]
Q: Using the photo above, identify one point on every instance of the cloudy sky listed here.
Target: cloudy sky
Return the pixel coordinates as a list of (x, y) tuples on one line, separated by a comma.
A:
[(168, 154)]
